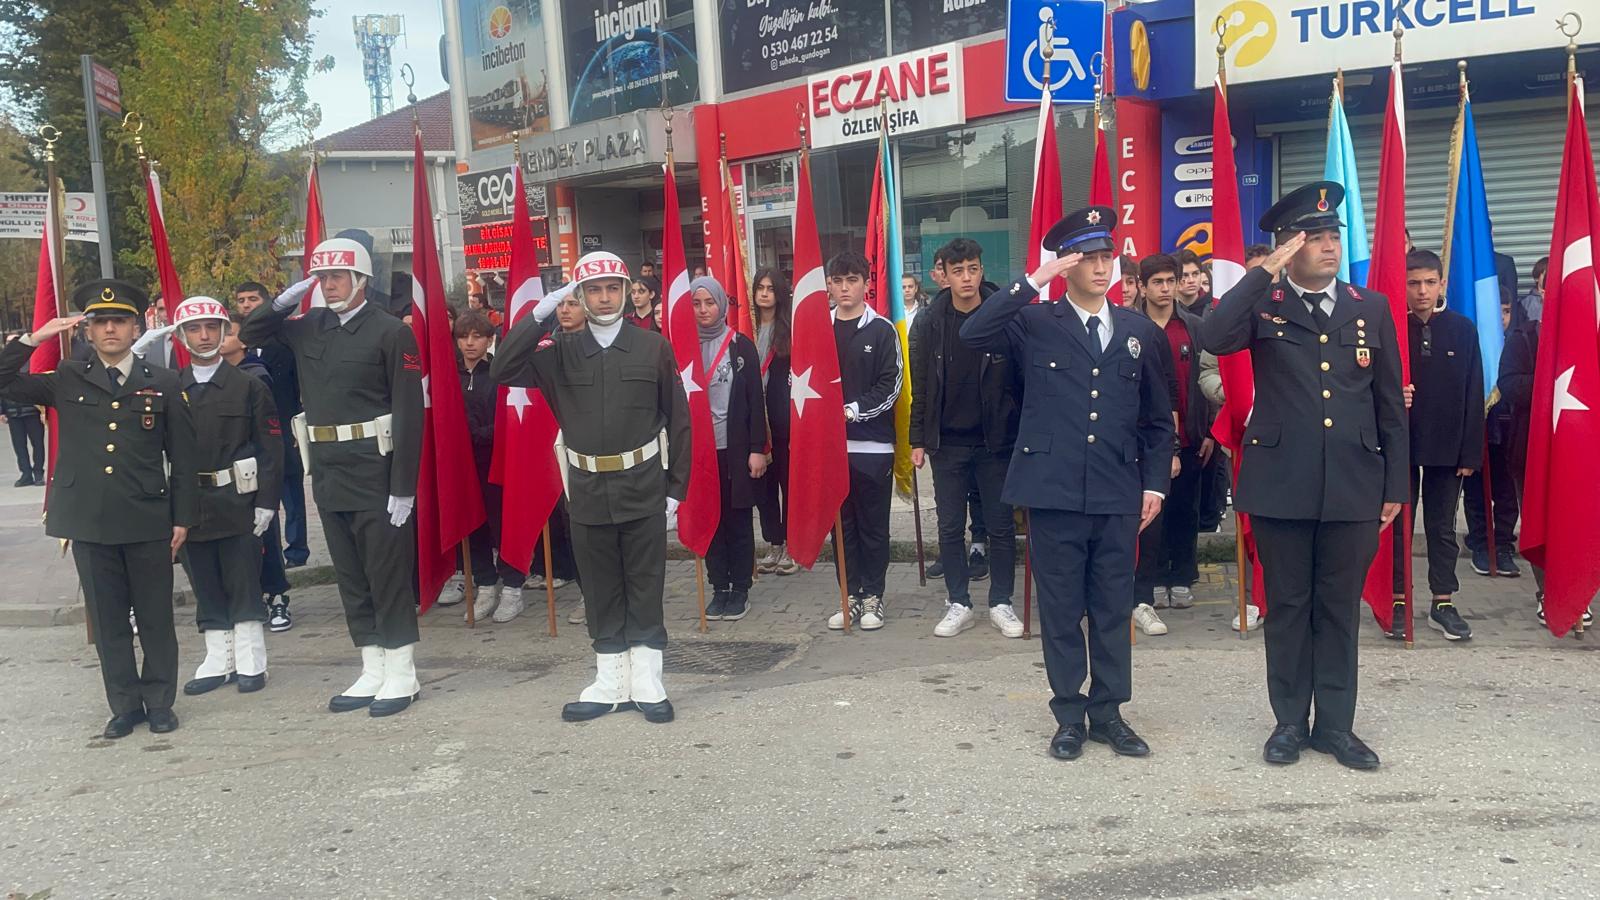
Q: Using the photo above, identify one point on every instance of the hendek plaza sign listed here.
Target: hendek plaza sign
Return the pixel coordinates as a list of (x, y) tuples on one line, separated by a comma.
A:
[(921, 90), (1267, 39)]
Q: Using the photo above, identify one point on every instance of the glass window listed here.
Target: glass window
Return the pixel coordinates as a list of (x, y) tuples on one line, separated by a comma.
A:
[(841, 183)]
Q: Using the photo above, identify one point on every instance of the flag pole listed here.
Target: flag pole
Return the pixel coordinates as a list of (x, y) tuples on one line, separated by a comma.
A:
[(1454, 177), (549, 579), (700, 586), (466, 577), (844, 579), (916, 521), (1572, 74), (1027, 579), (1406, 509)]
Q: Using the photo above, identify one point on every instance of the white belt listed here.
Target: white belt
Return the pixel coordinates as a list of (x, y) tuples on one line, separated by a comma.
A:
[(217, 479), (322, 434), (616, 462)]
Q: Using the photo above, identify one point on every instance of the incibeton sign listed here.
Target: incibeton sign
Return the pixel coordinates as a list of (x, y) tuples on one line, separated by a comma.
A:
[(922, 91)]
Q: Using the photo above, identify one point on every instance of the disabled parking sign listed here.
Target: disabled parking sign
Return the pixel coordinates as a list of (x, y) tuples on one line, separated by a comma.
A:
[(1074, 29)]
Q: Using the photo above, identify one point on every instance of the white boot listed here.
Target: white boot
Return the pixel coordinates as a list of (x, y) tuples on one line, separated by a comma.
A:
[(607, 694), (487, 599), (250, 655), (217, 668), (366, 687), (649, 694), (511, 604), (400, 685)]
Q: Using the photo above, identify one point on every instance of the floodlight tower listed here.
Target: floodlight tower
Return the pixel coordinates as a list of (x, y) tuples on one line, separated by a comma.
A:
[(376, 35)]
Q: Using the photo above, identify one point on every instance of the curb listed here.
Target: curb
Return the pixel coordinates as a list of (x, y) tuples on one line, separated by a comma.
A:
[(31, 615)]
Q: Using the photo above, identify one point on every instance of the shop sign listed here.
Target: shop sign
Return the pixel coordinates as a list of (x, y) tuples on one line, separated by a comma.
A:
[(922, 90), (22, 216), (489, 196), (622, 54), (487, 247), (922, 23), (503, 46), (607, 145), (1138, 152), (107, 90), (1267, 39), (767, 41)]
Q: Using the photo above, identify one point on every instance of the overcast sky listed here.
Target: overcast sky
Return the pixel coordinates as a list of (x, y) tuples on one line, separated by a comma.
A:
[(342, 92)]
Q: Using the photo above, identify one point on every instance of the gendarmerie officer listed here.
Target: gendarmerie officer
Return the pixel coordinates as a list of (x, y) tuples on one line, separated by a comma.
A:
[(361, 433), (1324, 462), (1092, 463), (120, 422), (613, 388), (239, 444)]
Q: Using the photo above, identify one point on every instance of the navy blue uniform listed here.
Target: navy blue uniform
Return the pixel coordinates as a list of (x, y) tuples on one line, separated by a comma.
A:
[(1096, 433)]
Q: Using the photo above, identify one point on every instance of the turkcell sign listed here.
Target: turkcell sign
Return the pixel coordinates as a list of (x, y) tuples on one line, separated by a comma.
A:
[(919, 91), (1079, 36), (1267, 39)]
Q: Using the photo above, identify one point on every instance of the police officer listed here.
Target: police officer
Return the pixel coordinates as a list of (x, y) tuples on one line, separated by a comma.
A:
[(613, 388), (119, 421), (1092, 463), (1324, 461), (240, 450), (361, 433)]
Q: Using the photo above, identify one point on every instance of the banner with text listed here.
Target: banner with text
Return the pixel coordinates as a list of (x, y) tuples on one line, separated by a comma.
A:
[(766, 41), (621, 55), (922, 90), (22, 216), (503, 42)]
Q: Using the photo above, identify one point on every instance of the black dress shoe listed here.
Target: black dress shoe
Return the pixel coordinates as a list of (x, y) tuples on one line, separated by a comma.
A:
[(380, 708), (655, 712), (1120, 735), (206, 685), (123, 725), (24, 481), (1346, 748), (163, 721), (249, 684), (1068, 742), (1283, 747), (347, 703), (583, 710)]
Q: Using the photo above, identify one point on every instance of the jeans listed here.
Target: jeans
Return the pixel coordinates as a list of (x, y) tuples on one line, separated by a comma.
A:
[(26, 430), (957, 471), (1167, 547), (1504, 501), (731, 556), (295, 550)]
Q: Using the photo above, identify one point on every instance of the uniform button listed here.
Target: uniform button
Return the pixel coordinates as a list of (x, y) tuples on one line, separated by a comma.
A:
[(108, 470), (1326, 367), (115, 404), (1052, 365), (1327, 394), (1025, 449), (1254, 441), (1091, 438), (80, 399), (1361, 343), (1280, 334), (1094, 395), (1327, 423), (1094, 371), (1094, 417), (1322, 339), (112, 426), (111, 448)]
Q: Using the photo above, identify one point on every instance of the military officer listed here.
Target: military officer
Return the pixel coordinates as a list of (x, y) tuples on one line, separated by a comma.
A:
[(240, 450), (1324, 462), (613, 389), (120, 422), (361, 433), (1092, 463)]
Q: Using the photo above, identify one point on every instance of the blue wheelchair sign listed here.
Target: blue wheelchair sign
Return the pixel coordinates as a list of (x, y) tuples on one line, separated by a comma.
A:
[(1074, 29)]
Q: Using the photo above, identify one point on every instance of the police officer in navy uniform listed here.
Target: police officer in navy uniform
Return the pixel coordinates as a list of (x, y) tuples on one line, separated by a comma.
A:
[(1092, 463), (120, 423), (1324, 462)]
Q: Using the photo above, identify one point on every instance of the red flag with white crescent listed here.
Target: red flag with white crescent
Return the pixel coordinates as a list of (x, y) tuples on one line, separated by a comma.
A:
[(701, 509), (166, 272), (47, 306), (313, 236)]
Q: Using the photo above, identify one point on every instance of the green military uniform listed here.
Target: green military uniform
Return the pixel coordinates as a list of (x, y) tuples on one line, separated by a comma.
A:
[(111, 495), (352, 373)]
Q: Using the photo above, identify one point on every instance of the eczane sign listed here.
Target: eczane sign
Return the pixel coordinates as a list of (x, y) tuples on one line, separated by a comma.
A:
[(921, 91)]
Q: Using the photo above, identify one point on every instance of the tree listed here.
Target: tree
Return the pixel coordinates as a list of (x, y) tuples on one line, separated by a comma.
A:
[(18, 258)]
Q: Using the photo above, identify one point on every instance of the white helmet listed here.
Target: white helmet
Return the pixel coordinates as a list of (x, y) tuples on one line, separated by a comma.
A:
[(199, 309), (598, 266), (343, 254)]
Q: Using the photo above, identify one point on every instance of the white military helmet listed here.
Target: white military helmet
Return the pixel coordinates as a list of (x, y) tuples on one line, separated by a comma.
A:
[(199, 309), (597, 266), (341, 253)]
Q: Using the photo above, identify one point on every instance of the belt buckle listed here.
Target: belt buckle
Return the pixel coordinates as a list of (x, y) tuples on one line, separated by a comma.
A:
[(323, 433), (611, 463)]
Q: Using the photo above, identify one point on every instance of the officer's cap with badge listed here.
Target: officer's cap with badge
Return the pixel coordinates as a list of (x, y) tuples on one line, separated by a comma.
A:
[(1085, 230), (108, 297), (1314, 207)]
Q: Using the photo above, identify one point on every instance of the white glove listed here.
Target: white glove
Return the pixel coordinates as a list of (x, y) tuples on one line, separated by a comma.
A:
[(291, 297), (263, 519), (672, 507), (548, 303), (152, 339), (400, 509)]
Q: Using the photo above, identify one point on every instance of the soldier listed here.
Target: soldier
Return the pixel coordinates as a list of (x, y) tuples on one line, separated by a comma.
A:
[(361, 436), (613, 388), (1325, 458), (1092, 463), (111, 495), (240, 454)]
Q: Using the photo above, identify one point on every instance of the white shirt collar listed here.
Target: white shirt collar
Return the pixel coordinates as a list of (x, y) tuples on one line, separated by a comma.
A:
[(1327, 294), (1104, 315), (125, 367)]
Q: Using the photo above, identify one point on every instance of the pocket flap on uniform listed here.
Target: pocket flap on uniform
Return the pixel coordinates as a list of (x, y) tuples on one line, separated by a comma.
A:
[(1047, 360), (1369, 440), (1130, 452), (638, 373), (578, 377), (1263, 434), (1268, 330), (1037, 442), (1131, 369)]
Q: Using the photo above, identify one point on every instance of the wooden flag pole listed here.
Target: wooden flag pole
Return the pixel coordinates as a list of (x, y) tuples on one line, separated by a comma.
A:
[(916, 521), (1405, 546), (549, 579), (1239, 561), (838, 555), (466, 577), (700, 585)]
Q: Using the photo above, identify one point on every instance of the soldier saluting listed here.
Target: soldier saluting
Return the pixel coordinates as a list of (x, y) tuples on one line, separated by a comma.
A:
[(361, 437), (1324, 461), (121, 422)]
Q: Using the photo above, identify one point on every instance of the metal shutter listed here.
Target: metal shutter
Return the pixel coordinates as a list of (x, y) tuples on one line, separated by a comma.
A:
[(1521, 150)]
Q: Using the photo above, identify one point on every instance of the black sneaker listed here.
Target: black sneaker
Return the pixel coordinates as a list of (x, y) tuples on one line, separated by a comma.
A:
[(719, 603), (1540, 597), (936, 570), (737, 604), (977, 566), (1505, 563), (25, 481), (1397, 626), (1444, 618), (278, 614), (1480, 562)]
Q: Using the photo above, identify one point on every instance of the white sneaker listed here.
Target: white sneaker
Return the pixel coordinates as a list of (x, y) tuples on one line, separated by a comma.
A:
[(871, 612), (579, 616), (1005, 618), (958, 617), (488, 598), (1252, 618), (836, 621), (1182, 597), (769, 563), (511, 604), (1160, 598), (1149, 622), (786, 566), (535, 582), (455, 591)]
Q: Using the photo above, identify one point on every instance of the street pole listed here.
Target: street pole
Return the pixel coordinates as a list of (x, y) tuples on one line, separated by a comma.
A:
[(97, 168)]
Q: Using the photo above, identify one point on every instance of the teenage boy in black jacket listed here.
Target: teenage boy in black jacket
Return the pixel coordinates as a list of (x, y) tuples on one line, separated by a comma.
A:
[(964, 413), (871, 376)]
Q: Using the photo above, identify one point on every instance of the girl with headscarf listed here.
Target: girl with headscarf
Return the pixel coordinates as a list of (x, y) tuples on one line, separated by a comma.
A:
[(644, 296), (771, 301), (739, 424)]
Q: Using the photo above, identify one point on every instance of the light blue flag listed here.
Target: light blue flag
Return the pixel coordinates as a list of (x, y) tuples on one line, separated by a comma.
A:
[(1472, 285), (1341, 167)]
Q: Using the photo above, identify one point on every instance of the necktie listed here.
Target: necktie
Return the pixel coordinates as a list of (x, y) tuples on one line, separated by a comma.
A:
[(1094, 335), (1315, 299), (116, 377)]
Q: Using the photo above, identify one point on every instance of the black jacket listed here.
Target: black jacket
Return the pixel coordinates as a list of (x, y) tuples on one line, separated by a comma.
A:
[(1447, 410), (999, 383), (871, 374), (1517, 361), (1197, 418), (234, 419), (747, 423), (481, 392), (1327, 439)]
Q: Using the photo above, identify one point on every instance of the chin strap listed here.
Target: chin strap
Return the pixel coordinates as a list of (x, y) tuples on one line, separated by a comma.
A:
[(598, 319)]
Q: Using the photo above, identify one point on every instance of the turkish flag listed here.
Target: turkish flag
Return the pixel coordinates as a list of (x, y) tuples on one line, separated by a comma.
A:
[(524, 462), (1562, 493), (314, 236), (701, 509), (1046, 197), (449, 503), (1227, 267), (1100, 195), (1387, 276), (166, 272), (818, 464), (47, 306), (737, 280)]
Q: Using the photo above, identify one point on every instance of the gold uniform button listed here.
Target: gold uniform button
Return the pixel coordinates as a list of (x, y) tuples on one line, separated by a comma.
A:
[(1094, 417), (108, 470), (112, 426), (1327, 395), (1327, 423), (1091, 438), (1094, 395), (111, 448), (1326, 367), (1321, 339), (115, 404)]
